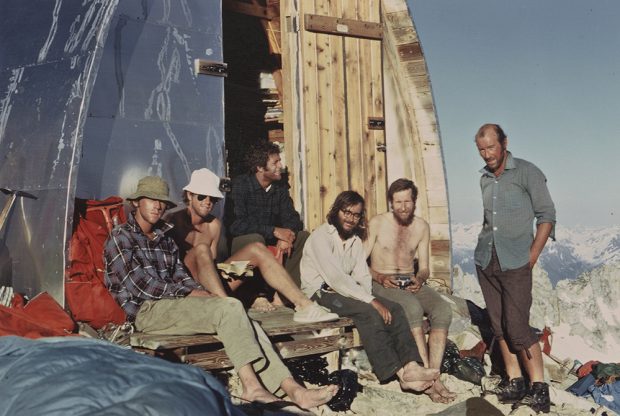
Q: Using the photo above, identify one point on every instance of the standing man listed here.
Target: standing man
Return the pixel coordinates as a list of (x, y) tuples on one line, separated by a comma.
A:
[(263, 209), (145, 276), (197, 232), (514, 193), (335, 274), (394, 239)]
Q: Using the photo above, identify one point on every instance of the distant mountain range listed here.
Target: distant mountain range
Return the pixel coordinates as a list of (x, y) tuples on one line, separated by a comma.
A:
[(576, 250)]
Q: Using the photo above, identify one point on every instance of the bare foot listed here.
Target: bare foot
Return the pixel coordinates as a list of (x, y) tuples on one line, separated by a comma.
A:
[(412, 371), (258, 395), (308, 398), (277, 301), (438, 393), (262, 304), (415, 385)]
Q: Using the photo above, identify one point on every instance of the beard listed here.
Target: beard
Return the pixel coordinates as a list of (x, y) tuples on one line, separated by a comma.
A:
[(344, 234), (403, 221)]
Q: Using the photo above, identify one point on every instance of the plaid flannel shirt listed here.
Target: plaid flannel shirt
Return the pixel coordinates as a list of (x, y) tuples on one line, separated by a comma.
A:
[(139, 269), (258, 210)]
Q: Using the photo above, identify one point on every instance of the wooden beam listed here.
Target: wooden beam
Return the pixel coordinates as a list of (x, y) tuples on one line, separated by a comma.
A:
[(343, 27), (261, 12)]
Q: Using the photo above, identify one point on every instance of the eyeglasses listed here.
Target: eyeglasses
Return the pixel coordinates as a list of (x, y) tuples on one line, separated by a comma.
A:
[(203, 197), (350, 214)]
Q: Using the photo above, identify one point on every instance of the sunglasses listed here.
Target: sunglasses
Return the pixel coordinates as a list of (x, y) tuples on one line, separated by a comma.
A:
[(203, 197)]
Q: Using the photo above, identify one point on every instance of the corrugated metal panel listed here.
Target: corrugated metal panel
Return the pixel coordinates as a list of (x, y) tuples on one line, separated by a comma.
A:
[(94, 95)]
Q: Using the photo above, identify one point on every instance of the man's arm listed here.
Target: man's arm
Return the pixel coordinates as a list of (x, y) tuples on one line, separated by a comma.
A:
[(423, 259), (216, 229), (542, 234), (374, 225), (289, 217)]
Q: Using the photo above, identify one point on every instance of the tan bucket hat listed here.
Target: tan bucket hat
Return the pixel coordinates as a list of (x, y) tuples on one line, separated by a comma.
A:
[(204, 182), (153, 187)]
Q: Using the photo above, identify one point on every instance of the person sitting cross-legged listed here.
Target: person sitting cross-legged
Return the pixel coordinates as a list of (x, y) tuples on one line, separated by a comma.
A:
[(197, 232), (145, 276)]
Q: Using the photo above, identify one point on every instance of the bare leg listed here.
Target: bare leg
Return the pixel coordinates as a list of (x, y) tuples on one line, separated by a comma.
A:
[(420, 341), (253, 390), (437, 345), (415, 377), (533, 365), (274, 274), (307, 398), (510, 360), (202, 267)]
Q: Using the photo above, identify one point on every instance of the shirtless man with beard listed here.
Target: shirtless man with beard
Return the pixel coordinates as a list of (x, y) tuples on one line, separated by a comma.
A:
[(394, 239)]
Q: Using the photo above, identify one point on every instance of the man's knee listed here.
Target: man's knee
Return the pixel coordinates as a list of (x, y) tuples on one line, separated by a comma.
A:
[(242, 241), (441, 315), (199, 257), (220, 308), (413, 311)]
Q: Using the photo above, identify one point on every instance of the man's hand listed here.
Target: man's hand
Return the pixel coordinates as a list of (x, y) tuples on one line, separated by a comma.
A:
[(386, 280), (201, 293), (415, 285), (383, 311), (284, 247), (284, 234)]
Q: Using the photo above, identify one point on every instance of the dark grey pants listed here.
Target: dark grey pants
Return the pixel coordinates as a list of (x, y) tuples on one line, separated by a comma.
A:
[(389, 347)]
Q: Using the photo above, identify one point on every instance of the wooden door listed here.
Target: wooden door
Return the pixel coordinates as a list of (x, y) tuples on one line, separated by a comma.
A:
[(333, 74)]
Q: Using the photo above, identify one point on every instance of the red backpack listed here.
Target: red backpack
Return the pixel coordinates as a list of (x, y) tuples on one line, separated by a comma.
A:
[(87, 297)]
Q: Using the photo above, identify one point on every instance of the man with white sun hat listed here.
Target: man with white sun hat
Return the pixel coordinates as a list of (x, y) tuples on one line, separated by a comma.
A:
[(197, 232)]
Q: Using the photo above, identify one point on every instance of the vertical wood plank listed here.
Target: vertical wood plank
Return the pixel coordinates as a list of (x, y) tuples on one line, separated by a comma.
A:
[(355, 165), (311, 121), (324, 107), (377, 108)]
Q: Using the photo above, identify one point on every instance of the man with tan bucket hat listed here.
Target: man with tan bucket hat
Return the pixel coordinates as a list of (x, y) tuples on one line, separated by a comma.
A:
[(197, 232), (145, 276)]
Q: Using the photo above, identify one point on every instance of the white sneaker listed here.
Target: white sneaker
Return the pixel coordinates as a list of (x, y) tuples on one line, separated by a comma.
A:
[(314, 313)]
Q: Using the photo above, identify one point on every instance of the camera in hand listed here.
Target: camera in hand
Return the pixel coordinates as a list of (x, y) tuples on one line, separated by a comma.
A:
[(402, 281)]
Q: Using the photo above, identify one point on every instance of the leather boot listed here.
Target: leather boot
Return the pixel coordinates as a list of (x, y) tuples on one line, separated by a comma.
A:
[(510, 391), (537, 398)]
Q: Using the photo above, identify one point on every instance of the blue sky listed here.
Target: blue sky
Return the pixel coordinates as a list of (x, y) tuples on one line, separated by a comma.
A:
[(549, 73)]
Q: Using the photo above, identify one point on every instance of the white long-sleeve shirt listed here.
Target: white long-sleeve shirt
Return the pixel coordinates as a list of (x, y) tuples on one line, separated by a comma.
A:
[(340, 264)]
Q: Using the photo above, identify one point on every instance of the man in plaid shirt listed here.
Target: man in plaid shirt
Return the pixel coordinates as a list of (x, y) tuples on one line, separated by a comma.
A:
[(145, 276)]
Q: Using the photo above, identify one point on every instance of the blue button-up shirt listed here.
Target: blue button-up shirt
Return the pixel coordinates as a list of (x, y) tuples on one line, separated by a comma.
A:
[(511, 203)]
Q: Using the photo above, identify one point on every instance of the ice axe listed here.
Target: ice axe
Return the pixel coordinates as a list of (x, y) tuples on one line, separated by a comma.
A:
[(9, 204)]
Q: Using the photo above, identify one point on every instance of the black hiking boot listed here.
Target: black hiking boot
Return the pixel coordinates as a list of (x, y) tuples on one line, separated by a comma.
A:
[(510, 391), (537, 398)]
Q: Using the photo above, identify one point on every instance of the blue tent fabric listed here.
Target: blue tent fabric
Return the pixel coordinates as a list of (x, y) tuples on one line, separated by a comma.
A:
[(77, 376)]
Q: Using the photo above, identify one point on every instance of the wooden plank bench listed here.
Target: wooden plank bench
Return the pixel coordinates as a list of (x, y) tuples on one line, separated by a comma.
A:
[(291, 340)]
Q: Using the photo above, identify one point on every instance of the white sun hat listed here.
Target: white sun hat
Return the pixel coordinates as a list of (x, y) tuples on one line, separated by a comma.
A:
[(204, 182)]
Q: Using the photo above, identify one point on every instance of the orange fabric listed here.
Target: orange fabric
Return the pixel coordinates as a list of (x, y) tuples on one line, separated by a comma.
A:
[(544, 338), (85, 291), (41, 317), (586, 368)]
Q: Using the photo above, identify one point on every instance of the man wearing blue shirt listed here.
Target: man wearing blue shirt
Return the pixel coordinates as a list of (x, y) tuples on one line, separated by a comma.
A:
[(514, 193)]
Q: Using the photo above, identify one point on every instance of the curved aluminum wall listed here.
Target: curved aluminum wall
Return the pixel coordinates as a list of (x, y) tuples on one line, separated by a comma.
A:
[(94, 95)]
